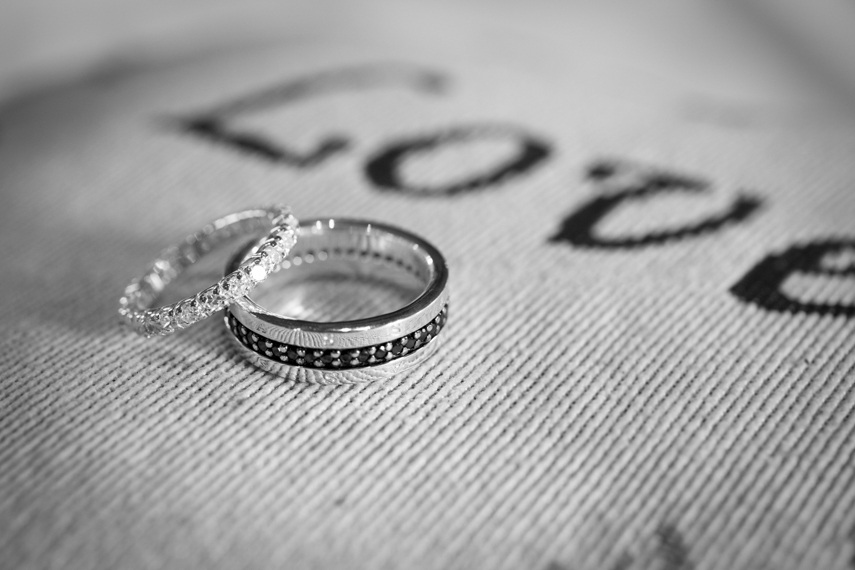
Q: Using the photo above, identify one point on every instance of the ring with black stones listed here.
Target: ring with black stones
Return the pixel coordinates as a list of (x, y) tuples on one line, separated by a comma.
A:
[(348, 351)]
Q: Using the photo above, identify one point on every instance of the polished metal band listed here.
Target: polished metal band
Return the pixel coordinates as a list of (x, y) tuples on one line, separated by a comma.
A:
[(359, 350), (135, 305)]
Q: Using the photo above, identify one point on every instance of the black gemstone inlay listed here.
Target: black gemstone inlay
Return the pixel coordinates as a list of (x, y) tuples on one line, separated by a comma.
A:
[(336, 358)]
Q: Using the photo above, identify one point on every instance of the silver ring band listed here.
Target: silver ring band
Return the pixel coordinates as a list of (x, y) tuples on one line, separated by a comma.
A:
[(135, 305), (358, 350)]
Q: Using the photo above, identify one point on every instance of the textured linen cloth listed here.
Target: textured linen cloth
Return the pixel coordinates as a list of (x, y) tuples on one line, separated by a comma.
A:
[(650, 360)]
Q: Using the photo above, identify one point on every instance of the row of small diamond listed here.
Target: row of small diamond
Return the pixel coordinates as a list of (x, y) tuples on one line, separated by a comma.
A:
[(338, 358), (252, 271)]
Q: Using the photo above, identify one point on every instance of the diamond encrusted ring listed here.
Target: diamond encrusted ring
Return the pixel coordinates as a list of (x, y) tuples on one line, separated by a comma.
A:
[(347, 351), (135, 305)]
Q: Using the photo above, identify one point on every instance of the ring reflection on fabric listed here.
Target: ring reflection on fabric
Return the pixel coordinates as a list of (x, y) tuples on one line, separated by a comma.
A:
[(358, 302)]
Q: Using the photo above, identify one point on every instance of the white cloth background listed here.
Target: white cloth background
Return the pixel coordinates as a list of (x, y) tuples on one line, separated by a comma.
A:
[(592, 407)]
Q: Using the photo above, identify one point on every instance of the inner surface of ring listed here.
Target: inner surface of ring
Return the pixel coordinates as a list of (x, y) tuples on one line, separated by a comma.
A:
[(345, 273)]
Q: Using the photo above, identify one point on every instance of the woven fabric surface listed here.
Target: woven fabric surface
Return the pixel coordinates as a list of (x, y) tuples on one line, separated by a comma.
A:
[(650, 359)]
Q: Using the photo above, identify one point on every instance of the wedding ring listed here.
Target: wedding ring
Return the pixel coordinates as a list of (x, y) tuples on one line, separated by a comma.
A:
[(347, 351), (135, 306)]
